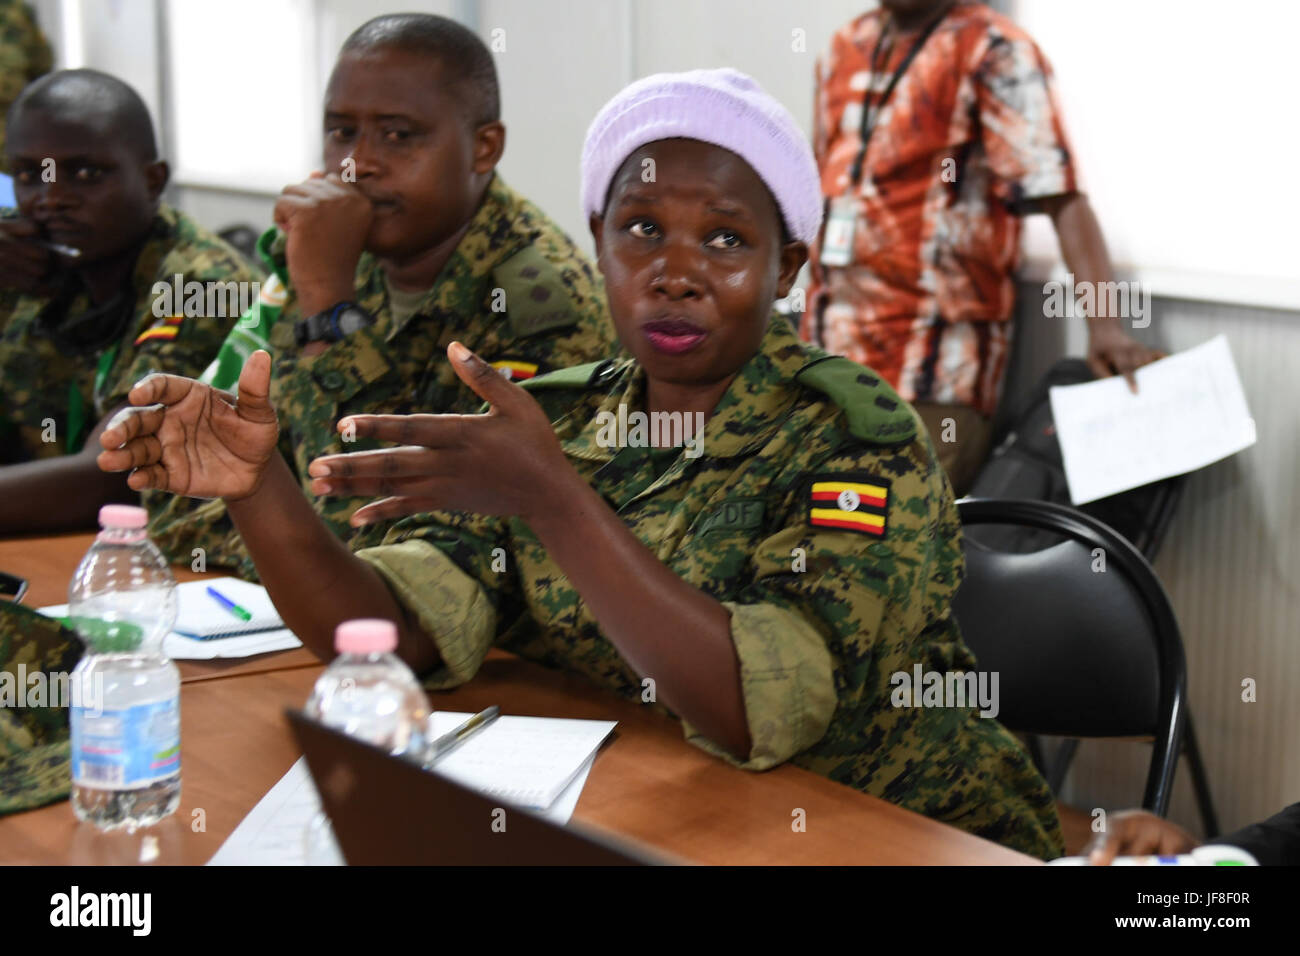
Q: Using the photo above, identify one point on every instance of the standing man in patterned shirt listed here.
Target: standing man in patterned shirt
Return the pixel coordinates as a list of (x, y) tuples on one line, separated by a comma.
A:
[(936, 130)]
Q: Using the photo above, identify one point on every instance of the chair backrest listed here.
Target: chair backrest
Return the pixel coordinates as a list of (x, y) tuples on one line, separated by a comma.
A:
[(1081, 634)]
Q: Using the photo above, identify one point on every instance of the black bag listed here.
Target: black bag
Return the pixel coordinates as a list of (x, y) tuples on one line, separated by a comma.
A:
[(1027, 465)]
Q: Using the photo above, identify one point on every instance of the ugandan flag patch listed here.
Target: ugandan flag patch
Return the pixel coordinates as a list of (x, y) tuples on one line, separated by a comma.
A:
[(515, 370), (849, 503), (167, 328)]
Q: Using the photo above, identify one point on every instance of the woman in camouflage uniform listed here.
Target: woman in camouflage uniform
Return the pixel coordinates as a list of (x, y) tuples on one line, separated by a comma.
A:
[(764, 578)]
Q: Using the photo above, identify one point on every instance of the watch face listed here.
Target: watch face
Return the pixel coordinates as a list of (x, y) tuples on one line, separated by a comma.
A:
[(353, 318)]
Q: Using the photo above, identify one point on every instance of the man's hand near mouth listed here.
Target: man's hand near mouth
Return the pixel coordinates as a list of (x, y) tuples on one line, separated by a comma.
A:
[(325, 222)]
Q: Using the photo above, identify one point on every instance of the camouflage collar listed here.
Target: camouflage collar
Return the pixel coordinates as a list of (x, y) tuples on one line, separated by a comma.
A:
[(753, 406), (760, 396), (460, 289)]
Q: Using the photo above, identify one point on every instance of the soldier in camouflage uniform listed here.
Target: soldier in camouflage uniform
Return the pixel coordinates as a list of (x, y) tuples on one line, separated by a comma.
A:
[(78, 332), (763, 579), (821, 615), (515, 288), (24, 55), (33, 739)]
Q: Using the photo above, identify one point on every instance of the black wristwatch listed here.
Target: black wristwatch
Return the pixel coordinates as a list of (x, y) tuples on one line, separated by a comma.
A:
[(332, 324)]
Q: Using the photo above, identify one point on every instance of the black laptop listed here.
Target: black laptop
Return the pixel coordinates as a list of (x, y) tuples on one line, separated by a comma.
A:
[(386, 811)]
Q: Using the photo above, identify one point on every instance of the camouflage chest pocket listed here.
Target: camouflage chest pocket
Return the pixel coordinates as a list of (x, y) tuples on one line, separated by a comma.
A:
[(359, 364), (724, 536)]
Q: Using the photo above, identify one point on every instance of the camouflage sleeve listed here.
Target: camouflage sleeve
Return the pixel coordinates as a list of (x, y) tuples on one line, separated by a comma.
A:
[(786, 680), (807, 627), (34, 739), (450, 571), (197, 532)]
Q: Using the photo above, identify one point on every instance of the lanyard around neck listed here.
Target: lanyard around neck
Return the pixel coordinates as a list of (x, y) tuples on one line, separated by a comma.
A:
[(869, 116), (77, 418)]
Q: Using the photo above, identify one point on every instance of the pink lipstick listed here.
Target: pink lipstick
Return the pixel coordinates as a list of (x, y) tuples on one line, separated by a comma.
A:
[(673, 336)]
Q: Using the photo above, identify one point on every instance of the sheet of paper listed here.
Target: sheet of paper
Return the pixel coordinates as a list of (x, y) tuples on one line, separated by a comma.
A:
[(181, 648), (1190, 411), (273, 833), (527, 761)]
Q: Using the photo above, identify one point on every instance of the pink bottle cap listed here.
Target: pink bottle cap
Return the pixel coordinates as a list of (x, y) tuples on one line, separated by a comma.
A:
[(366, 636), (123, 516)]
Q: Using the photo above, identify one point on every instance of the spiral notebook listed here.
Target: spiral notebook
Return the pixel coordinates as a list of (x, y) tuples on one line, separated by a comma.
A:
[(527, 761), (200, 615)]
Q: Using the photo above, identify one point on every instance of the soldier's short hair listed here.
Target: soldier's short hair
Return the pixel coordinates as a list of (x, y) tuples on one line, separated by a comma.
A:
[(465, 60), (82, 93)]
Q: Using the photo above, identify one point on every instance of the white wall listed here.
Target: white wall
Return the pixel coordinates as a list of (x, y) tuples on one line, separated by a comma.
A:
[(1181, 114)]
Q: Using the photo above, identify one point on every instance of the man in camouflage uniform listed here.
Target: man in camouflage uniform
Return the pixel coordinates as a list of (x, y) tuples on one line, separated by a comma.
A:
[(823, 615), (79, 331), (24, 55), (34, 739), (515, 288)]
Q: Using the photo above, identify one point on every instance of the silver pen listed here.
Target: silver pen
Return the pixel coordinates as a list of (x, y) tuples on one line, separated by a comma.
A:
[(453, 738)]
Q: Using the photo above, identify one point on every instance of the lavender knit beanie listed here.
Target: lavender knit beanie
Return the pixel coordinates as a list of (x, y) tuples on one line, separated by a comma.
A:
[(723, 107)]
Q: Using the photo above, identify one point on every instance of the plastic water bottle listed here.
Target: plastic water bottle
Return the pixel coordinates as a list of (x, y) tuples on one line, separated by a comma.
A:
[(126, 721), (369, 693)]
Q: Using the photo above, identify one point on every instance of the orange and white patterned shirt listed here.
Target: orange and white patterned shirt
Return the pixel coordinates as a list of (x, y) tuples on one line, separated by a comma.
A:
[(970, 134)]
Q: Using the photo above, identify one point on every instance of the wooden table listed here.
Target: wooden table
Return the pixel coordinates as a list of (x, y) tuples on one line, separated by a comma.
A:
[(648, 783), (49, 563)]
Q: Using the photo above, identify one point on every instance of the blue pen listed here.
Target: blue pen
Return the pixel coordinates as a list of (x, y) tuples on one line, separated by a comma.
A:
[(230, 605)]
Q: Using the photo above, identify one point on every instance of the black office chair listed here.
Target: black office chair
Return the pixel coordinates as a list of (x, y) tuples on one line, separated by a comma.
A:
[(1079, 652)]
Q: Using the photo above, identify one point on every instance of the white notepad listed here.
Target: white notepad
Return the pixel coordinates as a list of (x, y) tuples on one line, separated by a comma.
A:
[(273, 832), (206, 614), (528, 761), (199, 614)]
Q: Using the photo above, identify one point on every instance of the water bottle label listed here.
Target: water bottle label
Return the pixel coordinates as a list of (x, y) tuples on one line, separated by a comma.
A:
[(128, 748)]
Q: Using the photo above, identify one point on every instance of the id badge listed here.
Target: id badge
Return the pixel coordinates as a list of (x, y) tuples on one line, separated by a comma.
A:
[(837, 241)]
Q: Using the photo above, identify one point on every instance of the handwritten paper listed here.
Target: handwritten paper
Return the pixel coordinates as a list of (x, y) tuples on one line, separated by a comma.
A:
[(1190, 411)]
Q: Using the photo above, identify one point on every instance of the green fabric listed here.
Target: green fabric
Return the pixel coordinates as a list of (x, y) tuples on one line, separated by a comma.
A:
[(34, 752), (873, 409), (253, 330)]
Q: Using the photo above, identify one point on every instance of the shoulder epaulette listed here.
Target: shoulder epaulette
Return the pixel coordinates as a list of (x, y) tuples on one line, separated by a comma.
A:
[(536, 298), (591, 375), (874, 410)]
